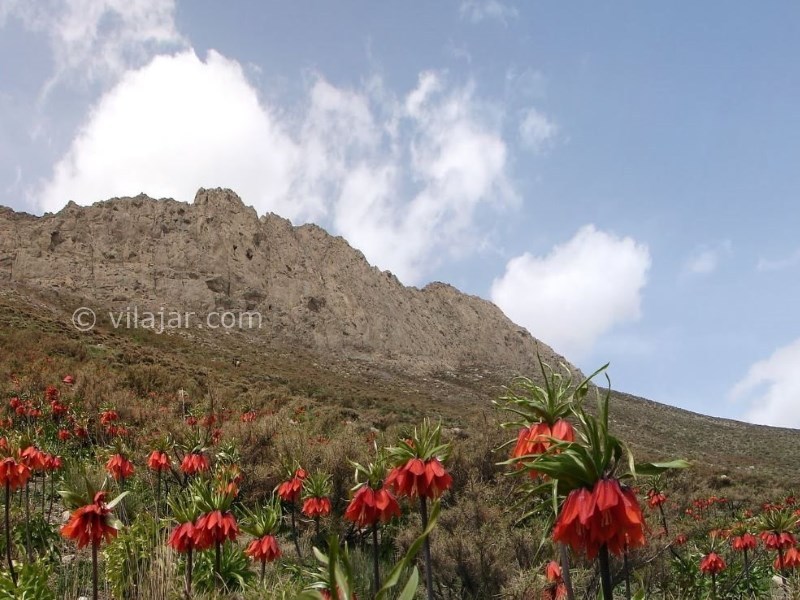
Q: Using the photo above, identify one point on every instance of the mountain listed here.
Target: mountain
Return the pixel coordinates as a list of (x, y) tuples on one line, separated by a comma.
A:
[(310, 288), (334, 329)]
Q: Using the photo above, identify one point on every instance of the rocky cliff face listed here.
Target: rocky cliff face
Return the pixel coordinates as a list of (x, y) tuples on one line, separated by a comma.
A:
[(216, 254)]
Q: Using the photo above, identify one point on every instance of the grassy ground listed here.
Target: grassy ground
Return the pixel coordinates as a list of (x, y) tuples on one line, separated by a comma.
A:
[(323, 409)]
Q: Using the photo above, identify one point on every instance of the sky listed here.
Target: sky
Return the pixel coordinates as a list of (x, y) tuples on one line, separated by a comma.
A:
[(619, 177)]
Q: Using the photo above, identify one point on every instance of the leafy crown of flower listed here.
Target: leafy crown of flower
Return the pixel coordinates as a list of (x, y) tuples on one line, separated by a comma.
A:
[(424, 443), (264, 520), (317, 485)]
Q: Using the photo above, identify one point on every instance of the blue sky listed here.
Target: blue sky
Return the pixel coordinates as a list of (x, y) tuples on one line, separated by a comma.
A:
[(619, 177)]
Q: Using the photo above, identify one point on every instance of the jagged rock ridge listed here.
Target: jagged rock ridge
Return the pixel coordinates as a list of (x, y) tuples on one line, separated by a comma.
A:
[(311, 288)]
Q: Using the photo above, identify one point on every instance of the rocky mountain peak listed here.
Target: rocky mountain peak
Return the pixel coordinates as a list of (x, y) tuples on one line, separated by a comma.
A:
[(311, 288)]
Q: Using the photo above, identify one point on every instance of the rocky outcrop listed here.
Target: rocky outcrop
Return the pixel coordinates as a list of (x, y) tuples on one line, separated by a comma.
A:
[(215, 254)]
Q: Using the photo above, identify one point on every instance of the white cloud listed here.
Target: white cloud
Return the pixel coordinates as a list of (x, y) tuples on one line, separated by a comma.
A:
[(166, 128), (460, 164), (400, 177), (97, 40), (779, 264), (703, 263), (578, 292), (707, 258), (536, 130), (771, 387), (480, 10)]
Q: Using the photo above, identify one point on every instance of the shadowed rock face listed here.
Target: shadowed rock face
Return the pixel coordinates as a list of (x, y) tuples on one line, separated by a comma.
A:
[(311, 288)]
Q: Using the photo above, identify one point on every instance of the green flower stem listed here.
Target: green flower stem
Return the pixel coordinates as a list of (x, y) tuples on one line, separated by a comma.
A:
[(376, 570), (423, 511), (8, 535), (565, 574), (605, 574), (95, 594), (187, 581)]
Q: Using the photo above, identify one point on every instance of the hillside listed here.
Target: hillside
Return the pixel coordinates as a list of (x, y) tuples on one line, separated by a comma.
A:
[(312, 289), (347, 360), (332, 325)]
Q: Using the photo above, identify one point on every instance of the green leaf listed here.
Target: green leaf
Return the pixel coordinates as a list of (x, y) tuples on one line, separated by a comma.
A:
[(653, 469), (117, 500), (320, 556), (71, 499), (394, 576), (410, 589)]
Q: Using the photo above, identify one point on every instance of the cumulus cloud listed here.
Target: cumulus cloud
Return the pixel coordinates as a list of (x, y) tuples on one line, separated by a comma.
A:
[(401, 177), (707, 258), (771, 388), (95, 40), (166, 128), (481, 10), (577, 292), (536, 130)]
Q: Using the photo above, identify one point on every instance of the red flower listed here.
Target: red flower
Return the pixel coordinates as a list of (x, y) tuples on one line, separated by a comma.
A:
[(289, 491), (107, 417), (418, 478), (119, 467), (68, 379), (553, 571), (116, 430), (187, 536), (532, 440), (606, 515), (64, 435), (745, 541), (191, 421), (712, 563), (90, 523), (194, 463), (369, 506), (13, 473), (51, 393), (34, 458), (264, 549), (680, 539), (248, 417), (316, 507), (778, 541), (556, 588), (535, 439), (81, 432), (53, 463), (159, 461), (655, 499), (218, 525), (216, 435), (57, 408), (791, 560)]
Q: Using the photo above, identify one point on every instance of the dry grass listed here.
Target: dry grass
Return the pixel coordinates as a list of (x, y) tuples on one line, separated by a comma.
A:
[(325, 410)]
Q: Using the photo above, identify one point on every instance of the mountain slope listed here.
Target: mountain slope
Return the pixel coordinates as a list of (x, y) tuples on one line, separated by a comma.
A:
[(335, 329), (311, 288)]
